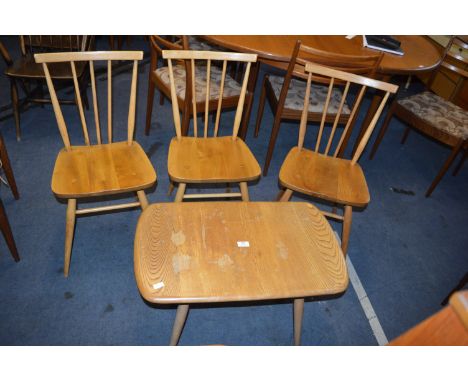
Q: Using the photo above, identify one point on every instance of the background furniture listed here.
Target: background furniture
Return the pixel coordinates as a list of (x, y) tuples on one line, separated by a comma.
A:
[(6, 232), (101, 169), (326, 176), (286, 94), (434, 116), (448, 327), (27, 73), (420, 55), (196, 160), (184, 81), (234, 251), (5, 164)]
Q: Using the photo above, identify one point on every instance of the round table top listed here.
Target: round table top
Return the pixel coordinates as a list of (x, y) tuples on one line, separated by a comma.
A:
[(420, 54)]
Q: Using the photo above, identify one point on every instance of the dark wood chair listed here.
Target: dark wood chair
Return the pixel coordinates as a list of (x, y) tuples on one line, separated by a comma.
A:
[(184, 79), (320, 172), (30, 76), (435, 116), (285, 94)]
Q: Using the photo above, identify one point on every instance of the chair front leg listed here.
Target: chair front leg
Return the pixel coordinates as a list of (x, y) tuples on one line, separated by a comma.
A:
[(142, 199), (244, 191), (298, 313), (444, 168), (287, 193), (149, 106), (15, 105), (261, 106), (69, 232), (180, 192), (382, 132), (348, 212), (181, 316)]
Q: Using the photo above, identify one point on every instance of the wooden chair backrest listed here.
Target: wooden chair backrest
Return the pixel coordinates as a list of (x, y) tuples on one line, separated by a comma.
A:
[(54, 43), (333, 77), (207, 57), (302, 54), (447, 57), (91, 57)]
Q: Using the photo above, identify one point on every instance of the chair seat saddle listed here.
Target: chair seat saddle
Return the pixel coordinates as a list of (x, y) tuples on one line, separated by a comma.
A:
[(438, 112), (211, 160), (325, 177), (102, 170), (318, 95), (231, 86)]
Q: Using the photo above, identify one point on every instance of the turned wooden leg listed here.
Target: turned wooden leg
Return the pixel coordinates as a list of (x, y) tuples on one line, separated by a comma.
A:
[(171, 188), (405, 135), (142, 198), (287, 193), (7, 234), (261, 107), (348, 212), (444, 168), (244, 191), (149, 106), (15, 105), (460, 164), (298, 313), (271, 144), (181, 316), (69, 231), (382, 132), (7, 167), (279, 195), (180, 192)]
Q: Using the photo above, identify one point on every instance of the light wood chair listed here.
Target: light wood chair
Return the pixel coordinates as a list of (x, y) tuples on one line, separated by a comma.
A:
[(203, 159), (100, 169), (285, 94), (159, 78), (324, 175), (435, 116), (30, 76)]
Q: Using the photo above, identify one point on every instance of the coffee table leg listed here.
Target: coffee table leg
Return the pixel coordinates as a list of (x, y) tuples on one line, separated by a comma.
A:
[(179, 322), (298, 312)]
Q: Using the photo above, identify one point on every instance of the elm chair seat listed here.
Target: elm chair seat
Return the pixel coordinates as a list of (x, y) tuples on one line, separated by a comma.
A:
[(103, 169), (214, 159), (439, 113), (231, 86), (318, 96), (333, 179)]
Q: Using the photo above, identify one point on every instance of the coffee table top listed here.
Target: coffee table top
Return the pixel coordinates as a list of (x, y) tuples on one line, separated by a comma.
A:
[(236, 251)]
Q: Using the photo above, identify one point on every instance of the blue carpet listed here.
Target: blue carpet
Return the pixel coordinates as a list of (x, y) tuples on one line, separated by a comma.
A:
[(408, 250)]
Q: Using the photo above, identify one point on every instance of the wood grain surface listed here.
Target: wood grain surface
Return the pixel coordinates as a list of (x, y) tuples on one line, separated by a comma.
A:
[(189, 253), (213, 159), (102, 170), (420, 54), (325, 177)]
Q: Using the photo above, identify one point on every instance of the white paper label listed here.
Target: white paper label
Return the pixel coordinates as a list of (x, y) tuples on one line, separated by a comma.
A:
[(158, 285), (243, 244)]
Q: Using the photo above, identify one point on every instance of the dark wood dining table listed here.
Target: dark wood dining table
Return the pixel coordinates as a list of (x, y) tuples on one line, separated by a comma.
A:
[(420, 55)]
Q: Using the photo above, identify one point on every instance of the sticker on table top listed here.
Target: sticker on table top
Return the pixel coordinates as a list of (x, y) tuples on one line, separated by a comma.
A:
[(350, 36), (158, 285), (243, 244)]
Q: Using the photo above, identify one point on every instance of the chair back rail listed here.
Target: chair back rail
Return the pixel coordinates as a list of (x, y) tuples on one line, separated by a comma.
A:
[(38, 43), (90, 57), (334, 76), (208, 57)]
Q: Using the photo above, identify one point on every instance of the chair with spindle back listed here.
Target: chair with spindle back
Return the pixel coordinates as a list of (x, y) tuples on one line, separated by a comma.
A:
[(204, 159), (436, 116), (26, 71), (285, 94), (325, 175), (104, 168), (159, 77)]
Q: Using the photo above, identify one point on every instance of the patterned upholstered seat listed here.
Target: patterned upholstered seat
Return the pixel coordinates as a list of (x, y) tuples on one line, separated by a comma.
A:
[(318, 95), (439, 113), (231, 86)]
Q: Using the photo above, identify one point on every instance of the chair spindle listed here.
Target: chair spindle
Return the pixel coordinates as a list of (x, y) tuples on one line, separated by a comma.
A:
[(109, 101), (324, 115), (95, 103), (220, 98), (207, 99), (305, 112), (175, 105), (132, 107), (240, 105), (80, 104), (337, 118), (194, 98)]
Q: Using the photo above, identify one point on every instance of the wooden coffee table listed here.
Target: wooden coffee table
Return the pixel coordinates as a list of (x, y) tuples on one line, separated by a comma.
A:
[(202, 252)]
